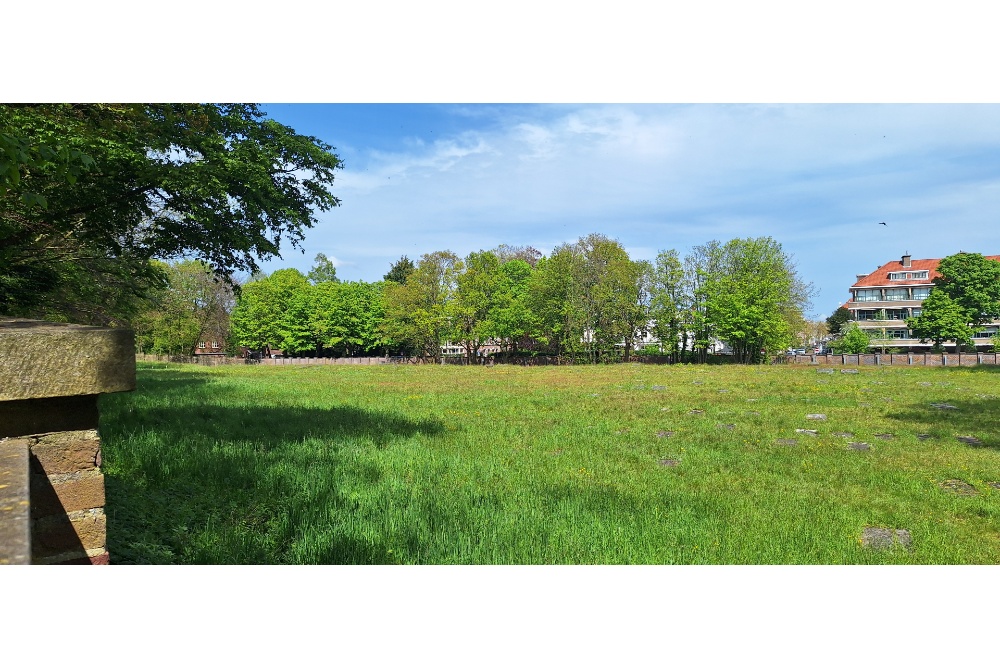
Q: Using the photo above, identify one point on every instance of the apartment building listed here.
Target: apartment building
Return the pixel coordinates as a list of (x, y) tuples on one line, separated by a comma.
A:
[(883, 299)]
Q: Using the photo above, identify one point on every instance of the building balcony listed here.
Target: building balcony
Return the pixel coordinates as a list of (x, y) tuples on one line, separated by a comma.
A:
[(868, 305)]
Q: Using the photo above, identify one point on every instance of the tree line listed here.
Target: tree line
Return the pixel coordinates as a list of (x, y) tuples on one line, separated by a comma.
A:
[(143, 215), (587, 300)]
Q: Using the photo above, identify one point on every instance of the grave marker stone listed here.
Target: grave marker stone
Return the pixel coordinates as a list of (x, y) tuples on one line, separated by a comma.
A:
[(886, 538), (959, 487)]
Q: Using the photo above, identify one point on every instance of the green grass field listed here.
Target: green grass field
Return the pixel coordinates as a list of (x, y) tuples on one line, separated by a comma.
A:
[(579, 464)]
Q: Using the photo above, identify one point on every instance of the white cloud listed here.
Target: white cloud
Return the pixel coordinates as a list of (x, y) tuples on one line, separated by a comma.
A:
[(816, 178)]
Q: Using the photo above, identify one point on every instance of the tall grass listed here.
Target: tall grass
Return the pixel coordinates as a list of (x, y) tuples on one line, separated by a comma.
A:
[(430, 464)]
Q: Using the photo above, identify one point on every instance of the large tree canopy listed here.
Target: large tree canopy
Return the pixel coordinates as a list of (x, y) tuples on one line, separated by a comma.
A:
[(755, 297), (966, 295), (973, 283), (89, 193)]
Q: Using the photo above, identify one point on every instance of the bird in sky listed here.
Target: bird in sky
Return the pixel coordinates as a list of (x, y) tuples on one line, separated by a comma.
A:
[(882, 223)]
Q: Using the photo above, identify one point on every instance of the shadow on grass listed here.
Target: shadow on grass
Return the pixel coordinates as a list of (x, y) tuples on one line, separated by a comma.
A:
[(195, 472), (975, 417), (979, 368)]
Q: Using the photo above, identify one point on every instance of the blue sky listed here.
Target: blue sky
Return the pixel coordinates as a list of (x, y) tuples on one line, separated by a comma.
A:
[(817, 178)]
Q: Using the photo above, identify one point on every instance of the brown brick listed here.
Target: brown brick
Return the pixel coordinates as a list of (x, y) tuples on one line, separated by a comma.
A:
[(70, 451), (69, 533), (79, 491)]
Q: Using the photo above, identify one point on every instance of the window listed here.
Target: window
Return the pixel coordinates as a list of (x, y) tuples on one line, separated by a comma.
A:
[(920, 293), (215, 345), (908, 275), (867, 295), (897, 294), (865, 315), (916, 311), (891, 334), (201, 345)]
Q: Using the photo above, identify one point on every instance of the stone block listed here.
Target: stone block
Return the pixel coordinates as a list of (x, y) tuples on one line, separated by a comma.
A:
[(15, 522), (65, 452), (46, 359), (76, 491), (72, 534)]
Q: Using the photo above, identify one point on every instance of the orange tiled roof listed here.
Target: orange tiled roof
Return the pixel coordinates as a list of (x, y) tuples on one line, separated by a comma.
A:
[(880, 276)]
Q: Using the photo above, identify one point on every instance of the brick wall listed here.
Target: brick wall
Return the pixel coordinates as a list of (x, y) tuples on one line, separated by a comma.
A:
[(67, 498), (912, 359)]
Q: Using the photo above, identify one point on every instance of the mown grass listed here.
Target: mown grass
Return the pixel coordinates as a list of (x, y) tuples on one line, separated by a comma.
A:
[(430, 464)]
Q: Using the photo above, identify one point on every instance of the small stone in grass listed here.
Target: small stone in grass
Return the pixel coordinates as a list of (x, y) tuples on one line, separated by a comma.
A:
[(556, 452), (698, 382), (753, 412), (825, 370), (959, 487), (723, 391), (664, 409), (943, 406), (886, 538), (664, 434), (729, 427), (807, 431), (787, 442), (970, 440), (670, 463), (658, 387), (995, 485), (853, 371), (923, 436), (884, 436), (816, 417), (859, 446), (843, 434), (924, 384), (621, 431), (697, 412)]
